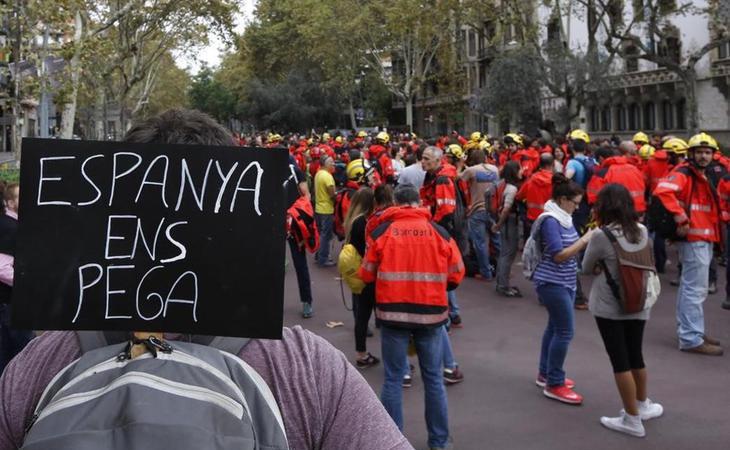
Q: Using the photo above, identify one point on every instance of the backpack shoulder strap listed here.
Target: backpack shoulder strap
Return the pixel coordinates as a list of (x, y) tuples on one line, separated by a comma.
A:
[(610, 280)]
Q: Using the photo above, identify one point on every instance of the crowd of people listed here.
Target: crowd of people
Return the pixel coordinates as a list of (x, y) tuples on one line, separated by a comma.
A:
[(575, 205), (415, 216)]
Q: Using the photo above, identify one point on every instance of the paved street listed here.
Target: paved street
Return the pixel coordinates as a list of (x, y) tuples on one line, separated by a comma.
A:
[(499, 407)]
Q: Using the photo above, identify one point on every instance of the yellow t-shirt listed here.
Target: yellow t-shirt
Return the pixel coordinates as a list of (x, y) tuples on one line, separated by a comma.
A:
[(323, 202)]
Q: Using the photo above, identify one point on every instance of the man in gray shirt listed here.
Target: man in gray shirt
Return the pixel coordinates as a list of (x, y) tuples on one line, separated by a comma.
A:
[(413, 174)]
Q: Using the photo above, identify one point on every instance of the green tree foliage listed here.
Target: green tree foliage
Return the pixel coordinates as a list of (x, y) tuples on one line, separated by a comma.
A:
[(513, 92), (211, 96)]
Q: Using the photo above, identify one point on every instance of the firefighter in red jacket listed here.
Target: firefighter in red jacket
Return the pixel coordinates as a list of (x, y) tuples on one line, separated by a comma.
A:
[(379, 155), (438, 192), (688, 195), (413, 261), (538, 188), (672, 153), (616, 169)]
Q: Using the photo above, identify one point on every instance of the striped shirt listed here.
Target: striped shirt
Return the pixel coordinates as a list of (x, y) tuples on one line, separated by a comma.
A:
[(555, 238)]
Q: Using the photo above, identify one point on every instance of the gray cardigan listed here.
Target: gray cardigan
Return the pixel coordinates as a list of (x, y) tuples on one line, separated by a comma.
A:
[(601, 301)]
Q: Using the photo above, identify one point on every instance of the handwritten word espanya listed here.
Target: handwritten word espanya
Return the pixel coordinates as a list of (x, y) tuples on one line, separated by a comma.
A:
[(232, 180)]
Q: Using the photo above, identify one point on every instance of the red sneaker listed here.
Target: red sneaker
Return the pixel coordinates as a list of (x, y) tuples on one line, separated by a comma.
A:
[(542, 382), (563, 394)]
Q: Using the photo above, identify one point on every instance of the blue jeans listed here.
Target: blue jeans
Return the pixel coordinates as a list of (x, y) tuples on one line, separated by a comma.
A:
[(12, 341), (559, 331), (428, 347), (453, 305), (480, 235), (695, 258), (449, 362), (324, 225), (299, 258)]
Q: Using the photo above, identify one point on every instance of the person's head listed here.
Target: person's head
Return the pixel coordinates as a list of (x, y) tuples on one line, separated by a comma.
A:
[(512, 173), (11, 196), (476, 157), (604, 153), (559, 154), (547, 161), (180, 126), (361, 204), (384, 196), (566, 193), (702, 148), (615, 206), (627, 148), (327, 163), (407, 195), (578, 146), (431, 159)]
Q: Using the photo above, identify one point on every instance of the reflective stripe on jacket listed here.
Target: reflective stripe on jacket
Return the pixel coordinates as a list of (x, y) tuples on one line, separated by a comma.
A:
[(412, 262)]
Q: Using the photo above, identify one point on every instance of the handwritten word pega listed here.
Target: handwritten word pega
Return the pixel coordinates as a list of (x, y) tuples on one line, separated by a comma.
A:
[(156, 173), (153, 300)]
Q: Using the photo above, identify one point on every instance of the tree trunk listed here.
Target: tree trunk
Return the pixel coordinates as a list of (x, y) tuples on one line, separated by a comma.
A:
[(690, 87), (409, 112), (16, 129), (99, 114), (353, 119), (68, 115)]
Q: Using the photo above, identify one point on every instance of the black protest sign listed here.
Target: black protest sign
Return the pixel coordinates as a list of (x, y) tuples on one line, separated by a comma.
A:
[(150, 237)]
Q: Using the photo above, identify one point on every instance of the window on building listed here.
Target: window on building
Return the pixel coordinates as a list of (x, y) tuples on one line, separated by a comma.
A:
[(649, 116), (680, 115), (593, 120), (620, 118), (472, 45), (490, 30), (634, 117), (553, 30), (723, 51), (473, 81), (606, 118), (670, 46), (631, 59), (667, 115), (508, 34)]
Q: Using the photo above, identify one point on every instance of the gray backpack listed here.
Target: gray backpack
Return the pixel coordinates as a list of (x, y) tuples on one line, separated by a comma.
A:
[(180, 395)]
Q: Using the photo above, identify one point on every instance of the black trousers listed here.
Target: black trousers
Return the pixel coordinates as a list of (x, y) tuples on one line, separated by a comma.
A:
[(363, 305), (299, 258), (623, 339)]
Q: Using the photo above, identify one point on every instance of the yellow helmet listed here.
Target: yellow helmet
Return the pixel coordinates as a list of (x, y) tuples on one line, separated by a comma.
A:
[(485, 145), (515, 137), (382, 137), (703, 140), (274, 137), (641, 137), (475, 136), (580, 134), (326, 137), (310, 141), (362, 134), (676, 145), (456, 151), (338, 139), (646, 151), (413, 135), (355, 170)]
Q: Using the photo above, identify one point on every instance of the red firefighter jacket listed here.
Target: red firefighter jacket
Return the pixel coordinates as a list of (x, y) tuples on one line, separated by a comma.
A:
[(385, 165), (618, 170), (656, 168), (688, 194), (723, 192), (412, 261), (438, 194), (535, 192)]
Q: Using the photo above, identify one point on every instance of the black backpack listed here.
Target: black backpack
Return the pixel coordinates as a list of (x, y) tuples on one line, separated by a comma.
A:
[(661, 220)]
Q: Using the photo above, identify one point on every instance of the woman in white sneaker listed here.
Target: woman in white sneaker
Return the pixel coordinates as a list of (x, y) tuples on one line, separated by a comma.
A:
[(622, 333)]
